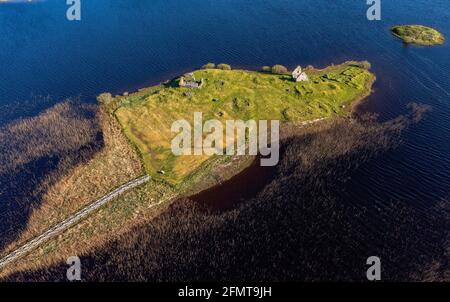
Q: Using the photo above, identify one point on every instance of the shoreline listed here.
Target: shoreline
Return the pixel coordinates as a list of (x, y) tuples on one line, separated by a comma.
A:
[(156, 81)]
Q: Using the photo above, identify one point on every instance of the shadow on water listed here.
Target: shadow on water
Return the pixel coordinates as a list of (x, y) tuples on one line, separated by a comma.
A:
[(230, 193), (26, 173)]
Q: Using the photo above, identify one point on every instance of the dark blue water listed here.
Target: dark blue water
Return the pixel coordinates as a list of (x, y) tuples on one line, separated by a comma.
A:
[(122, 45)]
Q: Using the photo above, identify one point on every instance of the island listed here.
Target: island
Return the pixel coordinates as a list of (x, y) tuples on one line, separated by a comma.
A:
[(222, 94), (418, 34), (136, 134)]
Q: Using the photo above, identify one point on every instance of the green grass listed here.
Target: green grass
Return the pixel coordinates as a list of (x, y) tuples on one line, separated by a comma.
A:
[(418, 34), (147, 116)]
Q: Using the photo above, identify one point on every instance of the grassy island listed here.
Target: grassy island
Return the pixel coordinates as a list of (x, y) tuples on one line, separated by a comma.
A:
[(147, 116), (418, 34)]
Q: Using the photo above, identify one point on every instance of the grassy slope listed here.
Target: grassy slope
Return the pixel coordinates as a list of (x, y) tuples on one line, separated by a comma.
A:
[(418, 34), (147, 116)]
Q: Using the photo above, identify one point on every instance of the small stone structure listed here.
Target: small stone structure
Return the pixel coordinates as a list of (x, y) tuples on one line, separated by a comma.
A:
[(189, 81), (302, 77), (299, 75), (297, 72)]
